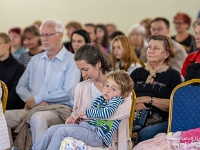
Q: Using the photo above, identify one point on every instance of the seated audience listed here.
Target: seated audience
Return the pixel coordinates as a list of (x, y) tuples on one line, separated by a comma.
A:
[(11, 71), (32, 43), (153, 86), (195, 56), (123, 55), (90, 28), (71, 27), (137, 35), (47, 88), (16, 42), (96, 130), (182, 23), (102, 36), (79, 38), (162, 26)]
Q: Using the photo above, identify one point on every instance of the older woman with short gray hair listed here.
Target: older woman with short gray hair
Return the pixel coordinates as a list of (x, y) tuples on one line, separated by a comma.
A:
[(137, 36)]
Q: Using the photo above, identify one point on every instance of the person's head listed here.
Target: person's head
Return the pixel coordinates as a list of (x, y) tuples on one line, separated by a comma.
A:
[(160, 25), (5, 44), (15, 37), (92, 61), (122, 50), (90, 28), (79, 38), (146, 23), (102, 35), (31, 37), (114, 34), (181, 22), (71, 27), (37, 23), (118, 83), (137, 35), (111, 28), (197, 32), (160, 49), (51, 34)]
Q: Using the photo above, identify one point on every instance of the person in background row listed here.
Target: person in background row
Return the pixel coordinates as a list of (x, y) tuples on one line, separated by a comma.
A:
[(146, 23), (71, 27), (195, 56), (47, 87), (16, 42), (182, 23), (102, 36), (111, 28), (111, 37), (123, 55), (10, 72), (79, 38), (137, 36), (161, 25), (90, 28), (37, 23), (32, 43)]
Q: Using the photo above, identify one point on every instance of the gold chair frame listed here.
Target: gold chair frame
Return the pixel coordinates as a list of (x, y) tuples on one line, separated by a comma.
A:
[(4, 96)]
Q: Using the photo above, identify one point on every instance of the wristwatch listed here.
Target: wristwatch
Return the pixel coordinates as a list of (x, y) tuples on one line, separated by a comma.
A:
[(151, 100)]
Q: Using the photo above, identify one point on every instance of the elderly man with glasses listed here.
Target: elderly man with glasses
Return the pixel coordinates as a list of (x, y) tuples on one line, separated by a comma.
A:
[(47, 87), (161, 26)]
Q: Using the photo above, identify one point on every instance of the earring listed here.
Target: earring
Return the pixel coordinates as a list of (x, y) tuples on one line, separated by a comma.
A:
[(165, 57)]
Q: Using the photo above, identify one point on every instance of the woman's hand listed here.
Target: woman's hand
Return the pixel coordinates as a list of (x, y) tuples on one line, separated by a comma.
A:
[(143, 99), (140, 106), (69, 120), (79, 117)]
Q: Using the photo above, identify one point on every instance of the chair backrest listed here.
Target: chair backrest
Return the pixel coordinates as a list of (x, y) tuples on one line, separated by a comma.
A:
[(184, 109), (5, 95), (131, 117)]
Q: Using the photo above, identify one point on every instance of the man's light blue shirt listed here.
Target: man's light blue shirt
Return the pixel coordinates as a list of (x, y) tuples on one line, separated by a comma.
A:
[(52, 81)]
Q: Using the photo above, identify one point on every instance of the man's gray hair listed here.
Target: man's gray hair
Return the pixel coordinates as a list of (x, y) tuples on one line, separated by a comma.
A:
[(58, 25), (138, 28)]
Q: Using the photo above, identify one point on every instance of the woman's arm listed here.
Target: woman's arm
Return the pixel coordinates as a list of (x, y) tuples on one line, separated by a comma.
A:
[(160, 103)]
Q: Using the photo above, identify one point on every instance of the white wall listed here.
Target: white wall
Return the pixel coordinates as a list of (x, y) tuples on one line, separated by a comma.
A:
[(123, 13)]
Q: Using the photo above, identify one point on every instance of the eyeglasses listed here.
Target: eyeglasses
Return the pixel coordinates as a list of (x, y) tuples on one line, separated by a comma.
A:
[(47, 35), (158, 29), (179, 23)]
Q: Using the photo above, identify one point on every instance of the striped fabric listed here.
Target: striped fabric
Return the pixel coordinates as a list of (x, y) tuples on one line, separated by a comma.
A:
[(101, 110)]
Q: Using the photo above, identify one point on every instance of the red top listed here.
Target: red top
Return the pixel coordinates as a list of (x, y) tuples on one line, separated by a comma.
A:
[(191, 58)]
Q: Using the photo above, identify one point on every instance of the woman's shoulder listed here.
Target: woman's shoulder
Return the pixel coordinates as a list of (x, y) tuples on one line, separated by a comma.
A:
[(84, 83), (174, 72)]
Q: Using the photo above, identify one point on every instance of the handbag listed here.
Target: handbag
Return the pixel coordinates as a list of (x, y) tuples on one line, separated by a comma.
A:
[(140, 118)]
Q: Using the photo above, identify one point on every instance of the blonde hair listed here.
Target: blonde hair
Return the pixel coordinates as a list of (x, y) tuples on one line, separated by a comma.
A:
[(124, 81), (129, 55)]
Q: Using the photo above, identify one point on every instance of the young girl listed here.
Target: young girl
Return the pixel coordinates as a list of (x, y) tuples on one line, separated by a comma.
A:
[(123, 55), (96, 131)]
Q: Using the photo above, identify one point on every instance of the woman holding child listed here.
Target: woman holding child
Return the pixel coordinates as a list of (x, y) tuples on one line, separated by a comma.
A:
[(154, 84), (95, 65)]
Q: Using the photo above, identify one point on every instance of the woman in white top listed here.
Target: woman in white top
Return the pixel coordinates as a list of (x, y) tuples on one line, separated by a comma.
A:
[(123, 55)]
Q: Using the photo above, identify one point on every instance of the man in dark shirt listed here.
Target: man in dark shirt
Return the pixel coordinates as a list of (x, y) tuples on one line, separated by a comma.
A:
[(10, 72)]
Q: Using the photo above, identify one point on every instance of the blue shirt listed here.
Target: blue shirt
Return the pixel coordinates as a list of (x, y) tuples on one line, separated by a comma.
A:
[(51, 81)]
